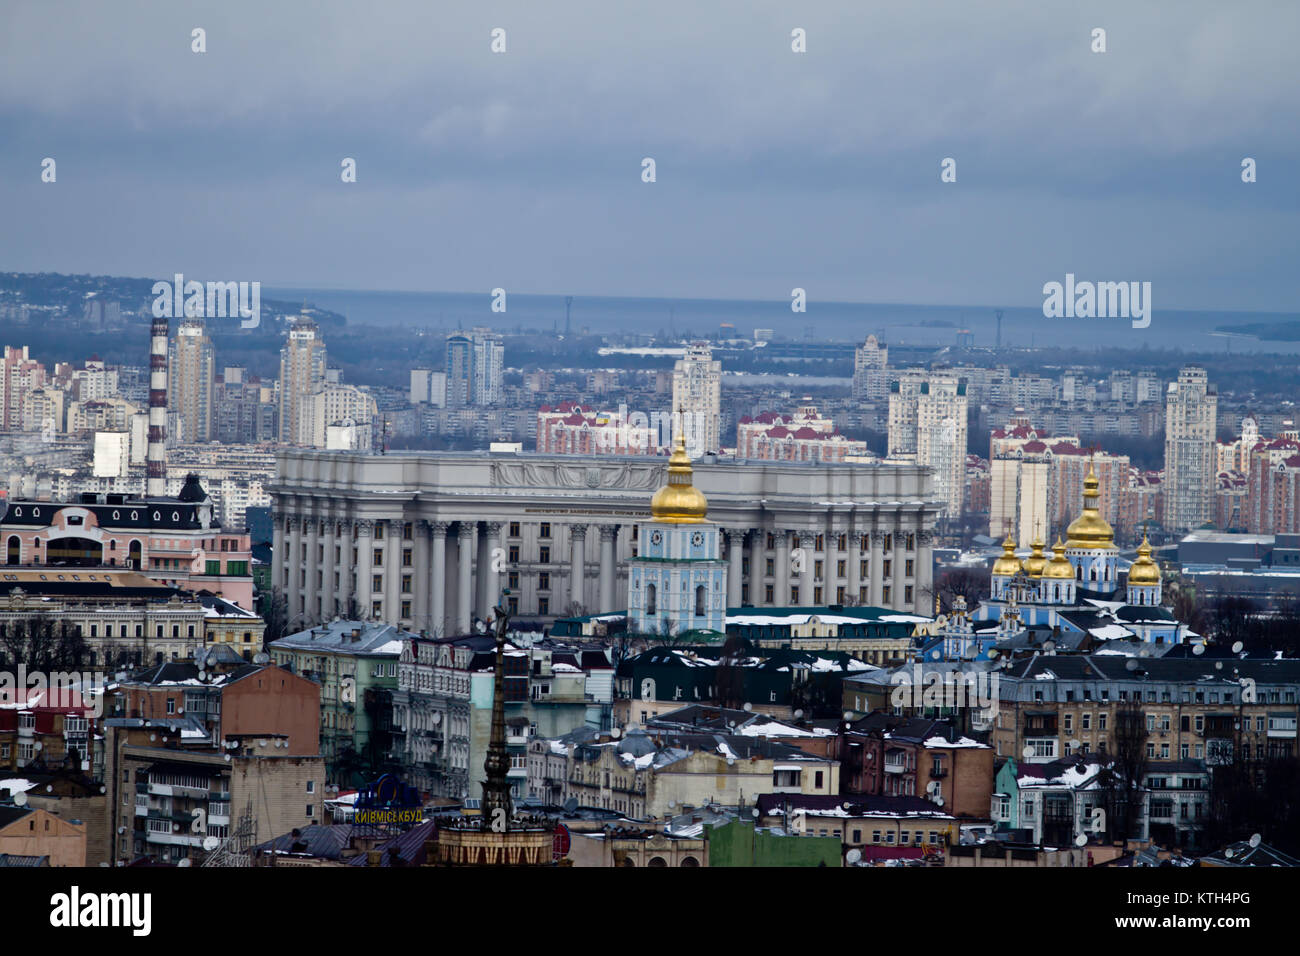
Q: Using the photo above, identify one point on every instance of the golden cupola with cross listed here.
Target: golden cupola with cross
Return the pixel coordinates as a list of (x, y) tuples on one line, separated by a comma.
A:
[(679, 501), (1144, 577), (1090, 529), (1090, 544)]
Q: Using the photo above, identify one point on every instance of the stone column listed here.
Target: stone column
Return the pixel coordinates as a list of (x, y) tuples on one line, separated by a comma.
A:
[(328, 594), (293, 590), (365, 564), (437, 580), (899, 582), (493, 551), (757, 567), (782, 589), (311, 609), (807, 542), (735, 565), (925, 573), (465, 542), (279, 554), (394, 544), (608, 567), (577, 562), (855, 564), (876, 567), (420, 579)]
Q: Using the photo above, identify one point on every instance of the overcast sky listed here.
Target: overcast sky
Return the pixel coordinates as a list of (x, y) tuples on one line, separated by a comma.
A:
[(775, 169)]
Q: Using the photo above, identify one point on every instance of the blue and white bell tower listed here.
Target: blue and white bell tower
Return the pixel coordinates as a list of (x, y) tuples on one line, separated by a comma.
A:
[(678, 580)]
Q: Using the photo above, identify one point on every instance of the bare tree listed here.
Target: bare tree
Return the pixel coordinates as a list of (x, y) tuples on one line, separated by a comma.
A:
[(1124, 778)]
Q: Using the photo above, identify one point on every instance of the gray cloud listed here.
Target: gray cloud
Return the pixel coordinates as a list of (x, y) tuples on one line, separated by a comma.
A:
[(775, 169)]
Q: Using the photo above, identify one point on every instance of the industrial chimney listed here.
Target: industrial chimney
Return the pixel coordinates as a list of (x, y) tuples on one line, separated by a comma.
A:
[(156, 460)]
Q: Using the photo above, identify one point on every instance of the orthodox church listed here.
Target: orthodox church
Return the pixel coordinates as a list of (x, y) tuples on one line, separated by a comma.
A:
[(1076, 594), (677, 583)]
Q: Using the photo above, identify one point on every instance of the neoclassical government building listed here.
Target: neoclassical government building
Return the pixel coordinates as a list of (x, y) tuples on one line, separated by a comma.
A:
[(428, 540)]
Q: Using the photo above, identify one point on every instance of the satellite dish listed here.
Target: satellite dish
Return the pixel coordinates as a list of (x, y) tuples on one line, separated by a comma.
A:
[(938, 801), (1198, 649), (437, 719), (20, 799), (1081, 840), (615, 733), (571, 805), (1028, 752), (1255, 840), (184, 862), (210, 843), (1236, 648), (261, 657), (852, 857)]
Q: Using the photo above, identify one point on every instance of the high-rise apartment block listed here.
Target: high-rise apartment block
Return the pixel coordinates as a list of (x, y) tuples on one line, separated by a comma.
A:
[(927, 424), (1191, 404), (697, 397), (190, 381), (19, 374), (871, 371), (475, 368), (302, 374)]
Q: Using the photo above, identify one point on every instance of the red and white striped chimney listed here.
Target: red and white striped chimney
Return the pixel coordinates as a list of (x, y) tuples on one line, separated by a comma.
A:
[(156, 461)]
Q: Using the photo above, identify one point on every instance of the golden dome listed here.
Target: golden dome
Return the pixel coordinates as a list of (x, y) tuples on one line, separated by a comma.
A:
[(1090, 529), (1007, 564), (1144, 570), (679, 501), (1059, 568), (1036, 561)]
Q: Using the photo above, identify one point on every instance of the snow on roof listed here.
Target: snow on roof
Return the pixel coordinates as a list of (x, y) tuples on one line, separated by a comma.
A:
[(1110, 632), (16, 785), (1073, 776), (389, 647), (565, 669), (774, 728), (962, 742), (1045, 674)]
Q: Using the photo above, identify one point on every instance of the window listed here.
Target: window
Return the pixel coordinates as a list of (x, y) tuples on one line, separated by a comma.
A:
[(543, 605), (311, 786), (514, 529), (544, 580), (544, 554), (514, 554), (406, 558), (311, 808), (212, 567), (378, 557), (406, 584), (544, 531)]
